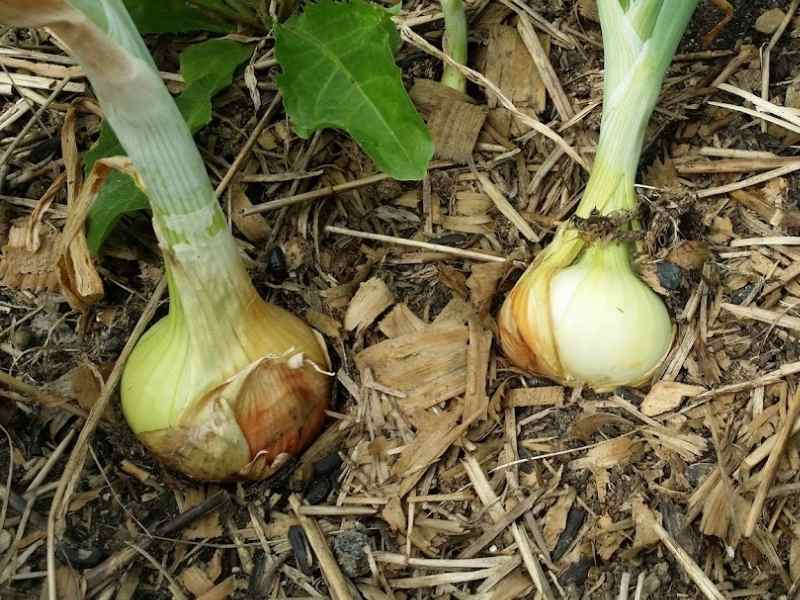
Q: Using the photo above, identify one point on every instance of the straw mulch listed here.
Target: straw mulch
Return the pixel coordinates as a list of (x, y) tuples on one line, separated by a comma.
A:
[(443, 471)]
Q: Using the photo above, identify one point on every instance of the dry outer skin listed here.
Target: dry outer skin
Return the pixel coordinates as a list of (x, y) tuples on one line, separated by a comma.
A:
[(248, 426)]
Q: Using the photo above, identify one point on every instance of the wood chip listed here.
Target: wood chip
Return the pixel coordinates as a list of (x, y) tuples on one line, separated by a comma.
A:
[(543, 396), (429, 366), (510, 65), (665, 396), (545, 69), (370, 301), (401, 321), (769, 21), (431, 442), (608, 454), (482, 284), (555, 520), (476, 401), (455, 127)]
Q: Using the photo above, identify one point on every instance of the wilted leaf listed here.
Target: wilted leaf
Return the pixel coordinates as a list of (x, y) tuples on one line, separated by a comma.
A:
[(207, 69), (339, 71)]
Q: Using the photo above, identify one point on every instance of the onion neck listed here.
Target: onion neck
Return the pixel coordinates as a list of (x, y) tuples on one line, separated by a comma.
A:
[(208, 281), (639, 41), (626, 114)]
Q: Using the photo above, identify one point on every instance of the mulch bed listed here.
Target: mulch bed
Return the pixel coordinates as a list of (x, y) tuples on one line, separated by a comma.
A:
[(443, 471)]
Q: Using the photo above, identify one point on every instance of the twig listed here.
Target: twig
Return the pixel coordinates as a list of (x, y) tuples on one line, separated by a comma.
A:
[(639, 587), (751, 181), (21, 135), (248, 145), (505, 207), (99, 575), (314, 194), (548, 74), (770, 469), (414, 244), (72, 471), (694, 572), (337, 584), (417, 40), (624, 584), (766, 379), (500, 525), (765, 68), (10, 478), (495, 509), (39, 396), (329, 190), (174, 588)]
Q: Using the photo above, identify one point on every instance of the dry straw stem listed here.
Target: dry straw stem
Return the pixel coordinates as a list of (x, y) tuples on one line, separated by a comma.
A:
[(505, 207), (695, 573), (783, 372), (546, 71), (766, 57), (771, 468), (74, 466), (420, 42), (337, 583), (330, 190), (248, 145), (492, 503), (771, 317), (415, 244), (751, 181)]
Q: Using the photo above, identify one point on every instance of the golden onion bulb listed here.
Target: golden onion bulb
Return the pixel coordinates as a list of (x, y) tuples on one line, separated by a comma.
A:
[(582, 316)]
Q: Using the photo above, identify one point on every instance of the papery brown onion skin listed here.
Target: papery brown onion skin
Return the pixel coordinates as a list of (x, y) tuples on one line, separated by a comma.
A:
[(248, 432)]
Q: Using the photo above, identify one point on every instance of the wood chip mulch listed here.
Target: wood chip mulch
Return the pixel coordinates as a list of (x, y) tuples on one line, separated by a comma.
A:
[(443, 471)]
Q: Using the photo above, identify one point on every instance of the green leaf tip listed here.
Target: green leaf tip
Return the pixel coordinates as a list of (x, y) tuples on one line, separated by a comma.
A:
[(338, 71)]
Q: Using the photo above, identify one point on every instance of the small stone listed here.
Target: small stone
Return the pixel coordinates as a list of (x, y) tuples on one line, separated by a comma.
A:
[(575, 575), (348, 547), (317, 490), (328, 465), (770, 20), (670, 275)]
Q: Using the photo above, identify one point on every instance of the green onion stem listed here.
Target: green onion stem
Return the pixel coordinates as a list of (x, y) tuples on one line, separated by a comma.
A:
[(640, 38), (455, 44), (188, 220)]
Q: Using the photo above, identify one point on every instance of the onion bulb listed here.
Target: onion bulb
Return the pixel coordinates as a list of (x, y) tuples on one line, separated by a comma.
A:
[(587, 320), (225, 386), (580, 314)]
